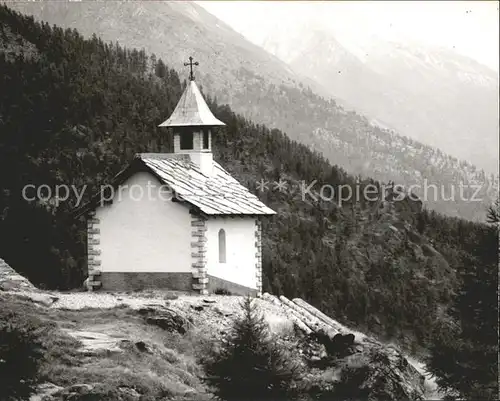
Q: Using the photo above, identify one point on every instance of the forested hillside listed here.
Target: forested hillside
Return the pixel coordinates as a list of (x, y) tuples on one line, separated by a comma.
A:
[(263, 89), (75, 112)]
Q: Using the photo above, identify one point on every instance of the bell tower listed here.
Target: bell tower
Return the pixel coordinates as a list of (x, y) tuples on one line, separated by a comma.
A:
[(192, 123)]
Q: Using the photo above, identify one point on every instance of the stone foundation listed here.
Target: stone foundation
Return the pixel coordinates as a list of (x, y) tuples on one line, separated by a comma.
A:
[(215, 283), (118, 281)]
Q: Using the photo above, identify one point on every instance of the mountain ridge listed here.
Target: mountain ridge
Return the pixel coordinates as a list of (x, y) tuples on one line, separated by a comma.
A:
[(410, 87)]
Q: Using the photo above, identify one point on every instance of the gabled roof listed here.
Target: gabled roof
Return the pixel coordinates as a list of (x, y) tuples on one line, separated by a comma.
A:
[(192, 110), (215, 195)]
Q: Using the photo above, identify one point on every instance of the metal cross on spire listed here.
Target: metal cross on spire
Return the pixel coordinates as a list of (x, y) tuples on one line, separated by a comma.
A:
[(191, 76)]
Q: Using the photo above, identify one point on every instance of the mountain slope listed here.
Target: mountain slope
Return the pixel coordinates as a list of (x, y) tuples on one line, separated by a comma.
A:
[(264, 89), (74, 112), (177, 29), (89, 140), (150, 346), (430, 94)]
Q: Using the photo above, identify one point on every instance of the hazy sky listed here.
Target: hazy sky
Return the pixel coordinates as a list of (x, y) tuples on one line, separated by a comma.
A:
[(468, 27)]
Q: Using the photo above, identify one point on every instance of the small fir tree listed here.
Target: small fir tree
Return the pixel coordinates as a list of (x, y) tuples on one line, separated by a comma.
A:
[(249, 365)]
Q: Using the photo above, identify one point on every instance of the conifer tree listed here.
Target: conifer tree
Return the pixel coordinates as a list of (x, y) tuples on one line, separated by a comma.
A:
[(464, 354), (250, 365)]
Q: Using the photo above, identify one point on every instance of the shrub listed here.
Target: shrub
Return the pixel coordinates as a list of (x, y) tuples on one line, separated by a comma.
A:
[(248, 365), (21, 352)]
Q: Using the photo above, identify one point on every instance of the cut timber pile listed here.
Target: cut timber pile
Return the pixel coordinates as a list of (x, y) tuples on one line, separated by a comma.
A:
[(338, 328), (290, 313), (315, 324), (310, 321)]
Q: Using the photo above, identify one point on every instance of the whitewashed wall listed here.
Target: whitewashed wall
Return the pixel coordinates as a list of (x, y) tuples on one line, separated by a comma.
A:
[(240, 250), (150, 235)]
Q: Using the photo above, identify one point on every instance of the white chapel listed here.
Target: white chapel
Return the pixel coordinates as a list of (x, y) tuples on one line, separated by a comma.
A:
[(178, 220)]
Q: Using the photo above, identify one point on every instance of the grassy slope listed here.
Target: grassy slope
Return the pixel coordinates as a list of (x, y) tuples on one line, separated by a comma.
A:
[(170, 371), (130, 359)]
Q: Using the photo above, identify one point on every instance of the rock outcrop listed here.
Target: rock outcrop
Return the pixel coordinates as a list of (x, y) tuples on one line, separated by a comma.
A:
[(10, 280), (94, 342), (166, 319), (13, 282)]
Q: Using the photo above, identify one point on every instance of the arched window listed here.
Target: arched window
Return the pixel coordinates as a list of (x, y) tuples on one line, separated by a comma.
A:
[(222, 246)]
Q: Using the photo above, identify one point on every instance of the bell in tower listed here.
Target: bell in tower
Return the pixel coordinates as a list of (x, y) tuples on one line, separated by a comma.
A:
[(192, 123)]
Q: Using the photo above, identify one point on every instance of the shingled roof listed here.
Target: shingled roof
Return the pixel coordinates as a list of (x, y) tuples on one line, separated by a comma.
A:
[(216, 195), (191, 110)]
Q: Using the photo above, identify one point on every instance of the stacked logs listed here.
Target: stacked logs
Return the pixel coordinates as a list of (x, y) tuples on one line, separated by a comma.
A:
[(314, 323), (360, 337), (290, 313), (305, 318), (311, 321)]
